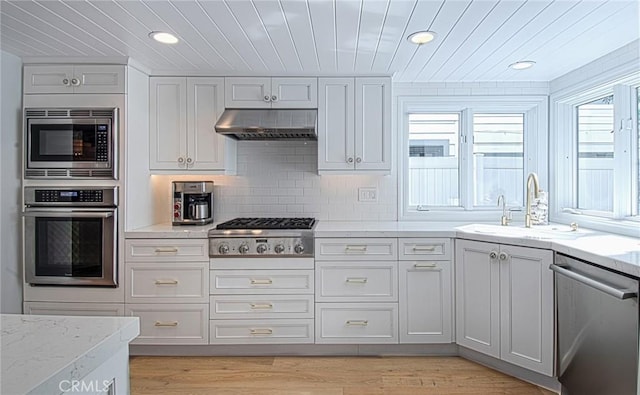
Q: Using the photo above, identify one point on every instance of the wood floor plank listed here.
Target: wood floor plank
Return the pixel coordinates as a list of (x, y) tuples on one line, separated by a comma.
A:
[(321, 376)]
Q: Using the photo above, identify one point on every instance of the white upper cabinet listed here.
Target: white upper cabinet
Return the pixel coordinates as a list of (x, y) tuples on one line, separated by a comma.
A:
[(266, 92), (46, 79), (354, 125), (504, 303), (183, 113)]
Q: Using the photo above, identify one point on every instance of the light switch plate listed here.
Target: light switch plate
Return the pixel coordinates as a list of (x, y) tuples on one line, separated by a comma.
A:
[(369, 194)]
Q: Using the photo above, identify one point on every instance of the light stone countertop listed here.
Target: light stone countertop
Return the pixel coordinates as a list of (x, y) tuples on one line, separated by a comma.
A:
[(608, 250), (39, 352)]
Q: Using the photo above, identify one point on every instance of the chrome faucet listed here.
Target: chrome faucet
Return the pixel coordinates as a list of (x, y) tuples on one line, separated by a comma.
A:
[(504, 220), (532, 181)]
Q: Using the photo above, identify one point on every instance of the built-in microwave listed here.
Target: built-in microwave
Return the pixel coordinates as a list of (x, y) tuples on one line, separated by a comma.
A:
[(71, 143)]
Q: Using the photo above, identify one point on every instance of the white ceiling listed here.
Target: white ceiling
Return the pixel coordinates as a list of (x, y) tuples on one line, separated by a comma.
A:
[(476, 40)]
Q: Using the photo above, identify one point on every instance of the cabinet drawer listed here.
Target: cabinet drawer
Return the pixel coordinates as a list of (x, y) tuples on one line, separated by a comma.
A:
[(171, 324), (167, 282), (261, 331), (90, 309), (260, 306), (412, 249), (166, 250), (332, 249), (261, 282), (357, 281), (356, 323)]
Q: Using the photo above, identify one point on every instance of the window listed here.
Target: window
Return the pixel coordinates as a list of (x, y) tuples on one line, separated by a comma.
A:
[(595, 131), (433, 159), (498, 148), (461, 153), (595, 154)]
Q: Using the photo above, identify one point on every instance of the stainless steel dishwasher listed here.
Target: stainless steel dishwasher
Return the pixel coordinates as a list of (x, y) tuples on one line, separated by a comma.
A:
[(597, 329)]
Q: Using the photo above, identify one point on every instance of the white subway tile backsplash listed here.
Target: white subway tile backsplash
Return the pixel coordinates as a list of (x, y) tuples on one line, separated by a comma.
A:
[(281, 179)]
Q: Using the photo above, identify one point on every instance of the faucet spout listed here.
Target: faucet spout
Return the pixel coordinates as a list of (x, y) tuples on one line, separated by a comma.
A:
[(532, 186)]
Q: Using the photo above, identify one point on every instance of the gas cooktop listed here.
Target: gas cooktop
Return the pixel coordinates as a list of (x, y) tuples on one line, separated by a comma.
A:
[(282, 237), (268, 223)]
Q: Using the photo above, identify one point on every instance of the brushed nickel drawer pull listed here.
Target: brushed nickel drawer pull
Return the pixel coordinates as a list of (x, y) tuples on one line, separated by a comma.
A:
[(168, 250), (424, 248), (166, 282), (261, 331), (261, 281), (261, 306), (357, 322), (424, 265), (166, 323), (357, 280), (355, 248)]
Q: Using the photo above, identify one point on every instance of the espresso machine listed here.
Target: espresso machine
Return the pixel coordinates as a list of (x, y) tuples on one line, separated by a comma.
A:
[(192, 202)]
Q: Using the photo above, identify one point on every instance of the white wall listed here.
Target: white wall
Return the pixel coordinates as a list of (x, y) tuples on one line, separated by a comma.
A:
[(10, 228)]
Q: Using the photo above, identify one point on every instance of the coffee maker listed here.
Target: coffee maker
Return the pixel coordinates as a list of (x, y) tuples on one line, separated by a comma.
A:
[(192, 202)]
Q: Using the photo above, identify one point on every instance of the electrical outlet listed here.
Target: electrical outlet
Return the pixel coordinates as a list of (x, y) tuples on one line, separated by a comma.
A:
[(369, 194)]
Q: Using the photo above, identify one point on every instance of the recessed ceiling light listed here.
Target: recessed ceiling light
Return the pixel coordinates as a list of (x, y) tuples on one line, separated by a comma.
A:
[(164, 37), (522, 64), (422, 37)]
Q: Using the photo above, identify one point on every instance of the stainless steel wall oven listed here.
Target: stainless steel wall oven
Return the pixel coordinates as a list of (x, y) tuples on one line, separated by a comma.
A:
[(71, 143), (71, 236)]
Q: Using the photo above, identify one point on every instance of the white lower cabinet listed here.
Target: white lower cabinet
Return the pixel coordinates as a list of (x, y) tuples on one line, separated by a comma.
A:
[(270, 305), (167, 286), (504, 303), (359, 280), (171, 323)]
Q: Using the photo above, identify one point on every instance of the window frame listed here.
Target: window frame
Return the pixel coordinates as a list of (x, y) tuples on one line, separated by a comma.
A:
[(624, 219), (535, 108)]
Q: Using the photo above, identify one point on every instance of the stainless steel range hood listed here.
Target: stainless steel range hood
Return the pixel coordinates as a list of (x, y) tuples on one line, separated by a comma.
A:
[(258, 124)]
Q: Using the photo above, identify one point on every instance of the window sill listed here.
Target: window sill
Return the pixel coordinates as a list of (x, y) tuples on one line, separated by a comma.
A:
[(625, 227)]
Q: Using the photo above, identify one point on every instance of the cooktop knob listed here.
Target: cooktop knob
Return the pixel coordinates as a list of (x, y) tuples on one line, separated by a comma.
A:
[(223, 249), (299, 248), (243, 249), (279, 249), (261, 248)]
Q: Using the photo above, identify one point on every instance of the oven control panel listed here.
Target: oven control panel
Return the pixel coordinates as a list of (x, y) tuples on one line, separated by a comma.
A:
[(255, 246), (103, 197), (80, 196)]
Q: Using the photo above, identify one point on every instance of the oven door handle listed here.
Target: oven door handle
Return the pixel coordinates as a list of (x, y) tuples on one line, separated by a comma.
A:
[(72, 213), (609, 290)]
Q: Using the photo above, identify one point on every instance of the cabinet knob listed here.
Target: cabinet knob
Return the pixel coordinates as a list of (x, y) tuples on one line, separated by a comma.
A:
[(189, 160), (358, 160), (65, 81), (267, 97), (180, 160), (503, 256), (274, 98), (75, 82), (493, 255), (350, 160)]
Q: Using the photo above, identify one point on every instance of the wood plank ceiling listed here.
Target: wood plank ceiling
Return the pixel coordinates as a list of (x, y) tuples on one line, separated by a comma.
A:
[(476, 40)]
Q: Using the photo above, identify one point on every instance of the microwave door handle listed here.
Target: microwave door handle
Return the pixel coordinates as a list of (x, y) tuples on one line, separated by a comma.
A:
[(73, 214)]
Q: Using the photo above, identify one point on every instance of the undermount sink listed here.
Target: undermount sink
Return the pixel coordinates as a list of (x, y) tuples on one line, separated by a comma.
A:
[(544, 232)]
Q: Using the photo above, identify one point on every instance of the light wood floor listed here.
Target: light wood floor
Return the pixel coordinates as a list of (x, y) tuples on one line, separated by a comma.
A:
[(320, 376)]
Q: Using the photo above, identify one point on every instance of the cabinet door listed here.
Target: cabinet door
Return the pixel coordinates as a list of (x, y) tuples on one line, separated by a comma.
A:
[(373, 124), (294, 92), (336, 142), (99, 79), (425, 302), (168, 123), (478, 297), (247, 92), (48, 79), (205, 104), (526, 293)]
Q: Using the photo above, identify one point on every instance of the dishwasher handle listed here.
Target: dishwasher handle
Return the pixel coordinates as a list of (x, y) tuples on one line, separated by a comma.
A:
[(609, 290)]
